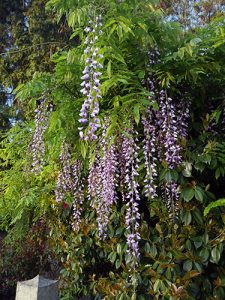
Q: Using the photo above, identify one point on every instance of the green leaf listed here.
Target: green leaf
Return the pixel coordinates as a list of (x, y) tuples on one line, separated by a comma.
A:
[(109, 69), (147, 247), (153, 250), (195, 41), (188, 193), (215, 255), (187, 218), (187, 266), (118, 263), (119, 249), (204, 253), (220, 202), (136, 112), (181, 52), (198, 216), (198, 240), (187, 170), (199, 194), (156, 285), (217, 173)]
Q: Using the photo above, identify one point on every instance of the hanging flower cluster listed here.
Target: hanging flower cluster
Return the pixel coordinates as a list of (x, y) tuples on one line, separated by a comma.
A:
[(162, 132), (78, 194), (171, 196), (102, 182), (150, 153), (129, 156), (183, 112), (167, 120), (64, 181), (91, 83), (71, 182), (116, 162), (37, 145)]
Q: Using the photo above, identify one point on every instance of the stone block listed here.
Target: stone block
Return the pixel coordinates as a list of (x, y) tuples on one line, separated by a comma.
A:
[(38, 288)]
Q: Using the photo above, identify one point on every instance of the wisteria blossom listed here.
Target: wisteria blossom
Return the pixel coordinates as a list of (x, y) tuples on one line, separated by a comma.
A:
[(64, 180), (183, 114), (131, 187), (91, 82), (163, 130), (167, 120), (102, 183), (171, 197), (77, 190), (37, 145), (150, 154)]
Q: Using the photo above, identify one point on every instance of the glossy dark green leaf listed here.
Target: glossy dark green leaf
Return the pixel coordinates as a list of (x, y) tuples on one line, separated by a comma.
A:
[(187, 265), (188, 193), (199, 194), (215, 255)]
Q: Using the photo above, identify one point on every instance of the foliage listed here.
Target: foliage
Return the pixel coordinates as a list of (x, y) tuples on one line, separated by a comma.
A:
[(217, 203), (29, 38), (25, 258), (180, 258)]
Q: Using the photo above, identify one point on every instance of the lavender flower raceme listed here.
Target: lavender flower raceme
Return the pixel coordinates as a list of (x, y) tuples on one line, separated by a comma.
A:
[(78, 194), (167, 120), (64, 181), (91, 83), (169, 148), (103, 182), (183, 114), (37, 143), (132, 218), (171, 196), (170, 124), (150, 154), (109, 182)]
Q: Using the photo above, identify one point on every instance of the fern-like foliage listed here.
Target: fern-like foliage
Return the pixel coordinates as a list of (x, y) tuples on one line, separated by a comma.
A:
[(217, 203)]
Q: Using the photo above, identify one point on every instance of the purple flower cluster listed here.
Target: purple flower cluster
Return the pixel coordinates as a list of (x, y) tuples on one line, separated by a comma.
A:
[(129, 156), (37, 145), (171, 197), (150, 153), (64, 180), (167, 120), (102, 182), (91, 83), (94, 180), (183, 114), (78, 194), (163, 130), (70, 181)]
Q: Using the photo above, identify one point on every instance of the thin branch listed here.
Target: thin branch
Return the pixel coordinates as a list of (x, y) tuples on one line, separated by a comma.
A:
[(27, 48)]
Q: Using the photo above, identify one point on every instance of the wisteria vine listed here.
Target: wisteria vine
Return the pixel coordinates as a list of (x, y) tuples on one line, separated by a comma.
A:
[(37, 146), (116, 162), (130, 187), (91, 82), (64, 180), (102, 182), (78, 193), (163, 130)]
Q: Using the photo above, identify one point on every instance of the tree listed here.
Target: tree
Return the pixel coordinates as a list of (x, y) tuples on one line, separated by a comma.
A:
[(191, 13), (29, 38)]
